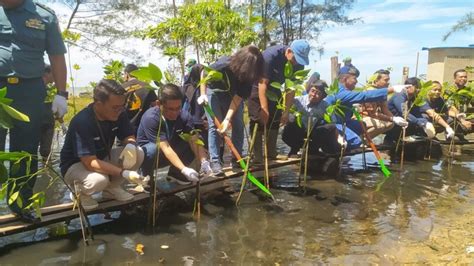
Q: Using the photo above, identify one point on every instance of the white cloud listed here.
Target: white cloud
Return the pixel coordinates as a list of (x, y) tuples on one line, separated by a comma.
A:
[(437, 25), (414, 12)]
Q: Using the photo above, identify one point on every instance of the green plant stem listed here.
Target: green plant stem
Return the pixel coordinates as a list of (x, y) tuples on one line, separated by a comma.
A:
[(250, 152)]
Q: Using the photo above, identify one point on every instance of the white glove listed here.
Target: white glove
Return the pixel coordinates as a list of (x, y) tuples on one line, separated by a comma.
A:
[(461, 116), (202, 99), (449, 133), (135, 177), (190, 174), (206, 168), (128, 156), (429, 130), (341, 141), (59, 106), (399, 121), (399, 88), (224, 126)]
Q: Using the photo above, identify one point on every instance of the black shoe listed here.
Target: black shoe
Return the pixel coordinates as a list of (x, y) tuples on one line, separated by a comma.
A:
[(293, 153), (28, 217)]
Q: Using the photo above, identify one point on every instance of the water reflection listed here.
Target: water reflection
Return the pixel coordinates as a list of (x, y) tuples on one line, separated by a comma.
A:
[(422, 214)]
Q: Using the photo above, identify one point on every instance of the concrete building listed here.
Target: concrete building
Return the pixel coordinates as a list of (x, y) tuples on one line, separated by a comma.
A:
[(443, 61)]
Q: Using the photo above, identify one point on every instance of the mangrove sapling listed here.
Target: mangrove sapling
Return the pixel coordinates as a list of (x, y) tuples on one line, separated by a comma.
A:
[(148, 74), (250, 152), (265, 157), (309, 129), (193, 138)]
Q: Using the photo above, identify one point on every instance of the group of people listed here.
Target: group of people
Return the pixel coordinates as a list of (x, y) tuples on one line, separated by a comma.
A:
[(161, 129)]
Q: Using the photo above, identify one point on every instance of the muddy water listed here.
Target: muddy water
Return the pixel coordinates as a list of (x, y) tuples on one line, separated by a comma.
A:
[(423, 214)]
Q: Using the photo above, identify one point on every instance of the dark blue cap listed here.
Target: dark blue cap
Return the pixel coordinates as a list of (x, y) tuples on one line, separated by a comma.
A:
[(349, 70)]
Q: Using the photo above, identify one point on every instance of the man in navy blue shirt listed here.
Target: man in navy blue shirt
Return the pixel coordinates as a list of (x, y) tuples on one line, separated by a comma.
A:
[(88, 161), (263, 111), (168, 122), (402, 103)]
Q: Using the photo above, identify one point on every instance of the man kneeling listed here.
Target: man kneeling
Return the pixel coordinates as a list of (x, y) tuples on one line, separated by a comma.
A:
[(168, 122), (87, 157)]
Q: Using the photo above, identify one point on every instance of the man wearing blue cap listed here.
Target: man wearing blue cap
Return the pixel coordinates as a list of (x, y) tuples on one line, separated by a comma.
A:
[(347, 81), (263, 111)]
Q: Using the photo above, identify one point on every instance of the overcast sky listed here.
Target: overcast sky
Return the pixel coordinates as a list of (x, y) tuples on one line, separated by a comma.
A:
[(390, 35)]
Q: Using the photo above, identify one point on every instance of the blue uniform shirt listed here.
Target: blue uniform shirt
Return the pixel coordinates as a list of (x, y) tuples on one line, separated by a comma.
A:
[(348, 98), (230, 82), (395, 105), (170, 130), (83, 137), (26, 32)]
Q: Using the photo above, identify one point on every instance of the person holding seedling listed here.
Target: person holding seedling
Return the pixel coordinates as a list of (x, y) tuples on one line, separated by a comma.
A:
[(448, 112), (460, 81), (311, 105), (224, 85), (376, 116), (177, 146), (89, 162), (347, 98), (262, 110), (408, 104)]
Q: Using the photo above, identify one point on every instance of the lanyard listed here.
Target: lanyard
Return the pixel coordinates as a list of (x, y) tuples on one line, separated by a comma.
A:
[(102, 137), (168, 132)]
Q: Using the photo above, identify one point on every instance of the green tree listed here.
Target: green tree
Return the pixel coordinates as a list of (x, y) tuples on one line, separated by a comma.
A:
[(209, 27), (464, 24)]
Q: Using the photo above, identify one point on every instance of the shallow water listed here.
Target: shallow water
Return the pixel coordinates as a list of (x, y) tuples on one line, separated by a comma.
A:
[(423, 214)]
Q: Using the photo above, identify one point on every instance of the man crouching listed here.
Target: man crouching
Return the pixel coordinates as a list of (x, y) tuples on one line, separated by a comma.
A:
[(166, 121), (87, 157)]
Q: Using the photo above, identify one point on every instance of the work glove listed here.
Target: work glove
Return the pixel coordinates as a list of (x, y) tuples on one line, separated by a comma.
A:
[(449, 133), (206, 168), (225, 125), (59, 106), (357, 107), (341, 141), (461, 116), (399, 88), (190, 174), (399, 121), (429, 130), (128, 156), (135, 177), (202, 100)]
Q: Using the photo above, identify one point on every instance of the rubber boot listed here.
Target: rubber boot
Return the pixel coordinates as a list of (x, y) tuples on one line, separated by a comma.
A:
[(272, 144)]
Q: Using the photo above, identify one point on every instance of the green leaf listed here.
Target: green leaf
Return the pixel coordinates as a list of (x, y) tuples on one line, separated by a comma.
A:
[(6, 101), (155, 72), (289, 84), (276, 85), (142, 74), (288, 71), (3, 173), (14, 113), (6, 121), (301, 74), (3, 92), (13, 197), (327, 118), (3, 191), (19, 202), (298, 121), (199, 142), (272, 96), (185, 136)]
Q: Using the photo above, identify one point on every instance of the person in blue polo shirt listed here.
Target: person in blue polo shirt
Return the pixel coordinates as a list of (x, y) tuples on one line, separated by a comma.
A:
[(89, 162), (264, 112), (28, 30), (418, 124), (225, 97), (175, 151), (347, 81)]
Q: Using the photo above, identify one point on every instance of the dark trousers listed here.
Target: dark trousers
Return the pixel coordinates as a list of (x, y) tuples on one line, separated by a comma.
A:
[(395, 133), (323, 136), (28, 97), (46, 132), (181, 148)]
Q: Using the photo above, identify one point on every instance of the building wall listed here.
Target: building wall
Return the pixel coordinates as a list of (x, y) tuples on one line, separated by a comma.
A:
[(442, 62)]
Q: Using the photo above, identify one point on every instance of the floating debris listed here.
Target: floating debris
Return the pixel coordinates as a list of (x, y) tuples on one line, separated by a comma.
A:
[(139, 249), (165, 247)]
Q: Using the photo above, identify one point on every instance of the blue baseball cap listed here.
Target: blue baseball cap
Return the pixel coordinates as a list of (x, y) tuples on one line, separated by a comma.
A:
[(349, 70), (301, 49)]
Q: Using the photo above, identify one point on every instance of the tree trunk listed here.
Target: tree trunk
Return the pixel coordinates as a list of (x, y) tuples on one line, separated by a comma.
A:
[(300, 36)]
